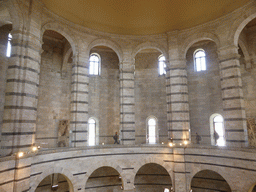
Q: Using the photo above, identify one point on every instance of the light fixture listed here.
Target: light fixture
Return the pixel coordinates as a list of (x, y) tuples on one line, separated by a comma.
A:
[(38, 147), (180, 144), (170, 142), (34, 149), (103, 143), (55, 187), (162, 143), (185, 142), (20, 154)]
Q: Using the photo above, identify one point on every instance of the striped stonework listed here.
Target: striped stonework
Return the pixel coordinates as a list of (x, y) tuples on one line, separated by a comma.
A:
[(177, 101), (79, 101), (232, 96), (21, 94), (4, 31), (127, 102)]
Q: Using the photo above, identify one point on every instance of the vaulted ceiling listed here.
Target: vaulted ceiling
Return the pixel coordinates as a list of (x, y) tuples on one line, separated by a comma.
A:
[(141, 17)]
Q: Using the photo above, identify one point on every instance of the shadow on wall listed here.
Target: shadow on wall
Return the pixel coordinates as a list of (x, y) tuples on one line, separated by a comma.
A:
[(207, 180), (152, 177), (54, 182), (104, 179)]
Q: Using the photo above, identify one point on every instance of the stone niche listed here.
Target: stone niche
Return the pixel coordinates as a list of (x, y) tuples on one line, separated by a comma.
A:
[(63, 133)]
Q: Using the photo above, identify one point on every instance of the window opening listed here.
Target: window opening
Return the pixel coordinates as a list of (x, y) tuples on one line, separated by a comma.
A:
[(92, 131), (161, 65), (219, 128), (199, 59), (9, 46), (151, 131), (94, 66)]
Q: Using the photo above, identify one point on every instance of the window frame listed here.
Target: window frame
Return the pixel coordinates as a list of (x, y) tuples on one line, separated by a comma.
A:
[(212, 129), (156, 130), (164, 65), (195, 60), (95, 123), (9, 46), (99, 64)]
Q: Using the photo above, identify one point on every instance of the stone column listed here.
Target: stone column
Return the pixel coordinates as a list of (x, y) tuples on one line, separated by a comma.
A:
[(79, 100), (127, 102), (20, 110), (177, 101), (4, 32), (232, 96)]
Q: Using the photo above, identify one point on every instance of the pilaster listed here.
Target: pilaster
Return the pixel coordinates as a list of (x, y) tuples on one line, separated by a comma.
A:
[(180, 181), (79, 100), (177, 101), (21, 94), (232, 96), (4, 31), (127, 101)]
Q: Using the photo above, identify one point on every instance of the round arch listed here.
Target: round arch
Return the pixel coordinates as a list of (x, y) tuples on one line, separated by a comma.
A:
[(145, 161), (103, 174), (196, 38), (68, 176), (238, 27), (253, 188), (153, 175), (63, 31), (107, 43), (149, 45), (16, 15), (212, 179)]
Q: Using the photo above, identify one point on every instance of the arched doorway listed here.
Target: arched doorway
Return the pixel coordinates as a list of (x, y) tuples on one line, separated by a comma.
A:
[(152, 177), (104, 179), (55, 182), (208, 180)]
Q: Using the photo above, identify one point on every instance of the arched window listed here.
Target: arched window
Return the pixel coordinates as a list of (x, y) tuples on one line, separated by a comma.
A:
[(92, 132), (199, 60), (218, 125), (9, 46), (151, 130), (161, 65), (94, 66)]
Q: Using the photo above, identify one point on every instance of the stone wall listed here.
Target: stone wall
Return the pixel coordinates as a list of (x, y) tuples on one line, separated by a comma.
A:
[(54, 93), (104, 97), (128, 162), (150, 96), (204, 91)]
